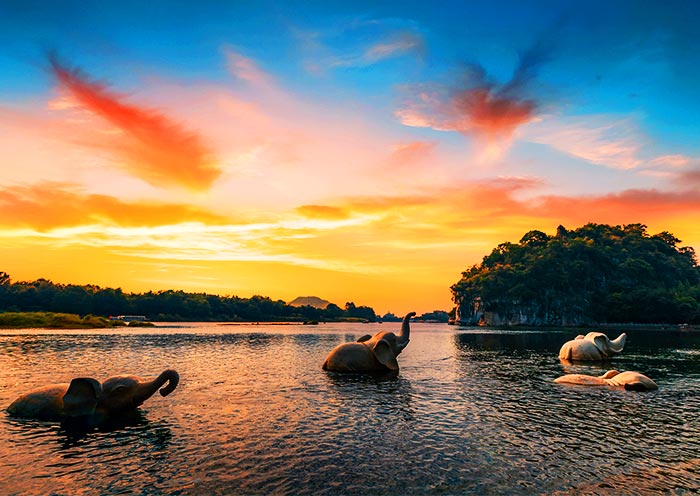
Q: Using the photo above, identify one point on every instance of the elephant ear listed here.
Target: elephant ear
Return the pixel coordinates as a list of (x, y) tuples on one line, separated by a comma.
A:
[(601, 342), (385, 355), (81, 397), (609, 374), (364, 338)]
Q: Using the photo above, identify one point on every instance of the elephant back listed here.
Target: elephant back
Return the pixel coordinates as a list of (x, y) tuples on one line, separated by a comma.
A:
[(633, 380), (580, 349), (45, 403), (350, 357)]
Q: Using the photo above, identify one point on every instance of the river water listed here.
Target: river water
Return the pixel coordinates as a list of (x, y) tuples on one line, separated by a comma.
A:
[(472, 411)]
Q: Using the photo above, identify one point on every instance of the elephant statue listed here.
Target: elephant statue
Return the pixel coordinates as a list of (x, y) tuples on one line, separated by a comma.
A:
[(370, 353), (632, 381), (86, 398), (594, 346)]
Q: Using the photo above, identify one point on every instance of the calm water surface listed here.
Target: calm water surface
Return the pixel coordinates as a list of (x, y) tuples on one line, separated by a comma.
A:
[(472, 412)]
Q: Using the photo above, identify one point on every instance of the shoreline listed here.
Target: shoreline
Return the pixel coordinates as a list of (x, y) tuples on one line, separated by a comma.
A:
[(58, 321)]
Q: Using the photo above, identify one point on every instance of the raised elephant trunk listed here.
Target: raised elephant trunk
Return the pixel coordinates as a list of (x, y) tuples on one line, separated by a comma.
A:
[(148, 389), (616, 345), (405, 334)]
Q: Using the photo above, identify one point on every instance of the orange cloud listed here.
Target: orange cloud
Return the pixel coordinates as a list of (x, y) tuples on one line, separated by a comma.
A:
[(152, 146), (52, 205), (490, 211), (323, 212), (444, 211)]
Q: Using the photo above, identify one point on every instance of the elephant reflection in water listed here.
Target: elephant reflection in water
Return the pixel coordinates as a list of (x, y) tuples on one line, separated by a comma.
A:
[(594, 346), (370, 353), (632, 381), (86, 399)]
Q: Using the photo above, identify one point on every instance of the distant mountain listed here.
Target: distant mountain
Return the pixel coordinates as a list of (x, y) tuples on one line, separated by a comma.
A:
[(311, 301)]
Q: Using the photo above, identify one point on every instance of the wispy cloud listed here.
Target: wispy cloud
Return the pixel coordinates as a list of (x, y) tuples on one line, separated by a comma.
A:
[(406, 155), (359, 43), (689, 179), (601, 139), (52, 205), (322, 212), (451, 217), (395, 45), (146, 143), (245, 68), (672, 161)]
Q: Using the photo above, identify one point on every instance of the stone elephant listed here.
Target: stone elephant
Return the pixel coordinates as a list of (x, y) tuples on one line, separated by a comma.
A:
[(370, 353), (88, 399), (594, 346), (633, 381)]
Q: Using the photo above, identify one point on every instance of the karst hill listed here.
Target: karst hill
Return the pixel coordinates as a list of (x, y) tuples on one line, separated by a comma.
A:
[(595, 274)]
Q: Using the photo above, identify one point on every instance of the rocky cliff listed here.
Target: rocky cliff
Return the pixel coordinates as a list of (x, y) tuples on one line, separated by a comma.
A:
[(513, 313)]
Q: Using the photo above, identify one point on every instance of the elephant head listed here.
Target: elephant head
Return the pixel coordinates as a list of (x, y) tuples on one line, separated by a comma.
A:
[(591, 347), (370, 353), (632, 381), (87, 398)]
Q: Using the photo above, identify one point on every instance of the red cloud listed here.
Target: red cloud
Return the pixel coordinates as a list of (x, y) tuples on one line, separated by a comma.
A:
[(478, 106), (484, 113), (481, 112), (626, 207), (152, 146)]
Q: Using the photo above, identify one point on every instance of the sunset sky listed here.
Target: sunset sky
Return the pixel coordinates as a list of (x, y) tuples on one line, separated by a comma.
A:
[(356, 151)]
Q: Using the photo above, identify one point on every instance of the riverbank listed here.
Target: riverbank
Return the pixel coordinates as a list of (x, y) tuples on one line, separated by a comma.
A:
[(51, 320), (597, 327)]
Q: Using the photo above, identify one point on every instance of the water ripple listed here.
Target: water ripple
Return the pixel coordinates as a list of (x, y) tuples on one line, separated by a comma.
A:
[(254, 414)]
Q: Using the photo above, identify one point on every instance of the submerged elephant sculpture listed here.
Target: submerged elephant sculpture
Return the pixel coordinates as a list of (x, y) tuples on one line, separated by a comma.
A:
[(86, 398), (633, 381), (370, 353), (591, 347)]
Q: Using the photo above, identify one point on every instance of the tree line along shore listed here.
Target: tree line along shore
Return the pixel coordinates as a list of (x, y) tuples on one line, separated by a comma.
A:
[(43, 303)]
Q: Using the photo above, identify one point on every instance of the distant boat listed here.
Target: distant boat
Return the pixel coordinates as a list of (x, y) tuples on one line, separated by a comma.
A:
[(128, 318)]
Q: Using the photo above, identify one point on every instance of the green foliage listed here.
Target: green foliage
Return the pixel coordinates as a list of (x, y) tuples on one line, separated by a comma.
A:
[(43, 295), (52, 320), (597, 273), (435, 316)]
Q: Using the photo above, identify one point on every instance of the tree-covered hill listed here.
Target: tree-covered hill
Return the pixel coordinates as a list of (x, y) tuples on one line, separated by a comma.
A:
[(594, 274)]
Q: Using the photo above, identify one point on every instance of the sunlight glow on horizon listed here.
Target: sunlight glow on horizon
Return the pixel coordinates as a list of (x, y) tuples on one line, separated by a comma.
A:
[(370, 157)]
